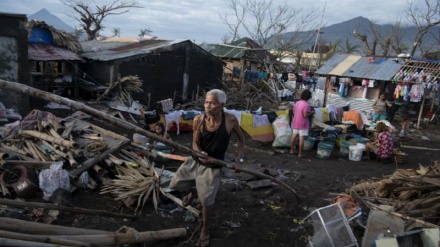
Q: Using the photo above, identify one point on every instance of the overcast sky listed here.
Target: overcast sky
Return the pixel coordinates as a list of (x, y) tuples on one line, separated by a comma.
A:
[(198, 20)]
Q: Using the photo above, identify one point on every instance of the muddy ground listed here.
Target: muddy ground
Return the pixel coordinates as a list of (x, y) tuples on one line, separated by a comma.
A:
[(263, 217)]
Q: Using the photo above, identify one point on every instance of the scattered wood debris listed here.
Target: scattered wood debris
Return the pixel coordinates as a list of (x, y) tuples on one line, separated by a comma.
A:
[(410, 192)]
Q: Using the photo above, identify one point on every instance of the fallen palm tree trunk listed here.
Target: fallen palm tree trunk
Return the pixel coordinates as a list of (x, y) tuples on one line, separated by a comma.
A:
[(24, 89), (37, 239), (21, 204)]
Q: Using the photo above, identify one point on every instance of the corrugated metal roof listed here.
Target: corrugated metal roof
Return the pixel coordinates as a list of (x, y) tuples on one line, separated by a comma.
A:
[(384, 69), (232, 50), (355, 103), (344, 65), (45, 52), (118, 48), (331, 64)]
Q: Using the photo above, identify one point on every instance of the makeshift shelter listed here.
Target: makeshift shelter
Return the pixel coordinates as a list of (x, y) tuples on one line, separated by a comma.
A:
[(416, 81), (53, 59), (176, 69), (357, 80), (244, 59)]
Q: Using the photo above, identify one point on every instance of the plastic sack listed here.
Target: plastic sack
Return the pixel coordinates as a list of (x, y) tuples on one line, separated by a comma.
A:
[(282, 132), (52, 179)]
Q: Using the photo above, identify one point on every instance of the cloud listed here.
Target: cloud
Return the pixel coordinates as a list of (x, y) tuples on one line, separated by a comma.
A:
[(199, 19)]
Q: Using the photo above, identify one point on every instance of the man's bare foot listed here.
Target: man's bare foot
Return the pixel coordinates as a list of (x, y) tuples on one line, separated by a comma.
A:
[(188, 199)]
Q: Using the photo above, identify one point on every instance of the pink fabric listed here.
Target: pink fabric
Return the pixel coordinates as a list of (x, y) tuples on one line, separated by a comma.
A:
[(386, 144), (299, 121)]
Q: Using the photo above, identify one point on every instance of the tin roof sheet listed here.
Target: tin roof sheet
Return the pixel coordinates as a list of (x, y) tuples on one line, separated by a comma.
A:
[(45, 52), (330, 64), (377, 68), (118, 48), (344, 65)]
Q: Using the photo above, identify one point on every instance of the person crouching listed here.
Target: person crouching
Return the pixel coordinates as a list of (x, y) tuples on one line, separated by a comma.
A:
[(383, 145)]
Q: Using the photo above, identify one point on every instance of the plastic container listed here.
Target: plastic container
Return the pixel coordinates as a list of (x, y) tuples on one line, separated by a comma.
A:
[(355, 152), (309, 142), (363, 140), (140, 139), (324, 150), (344, 145), (159, 147)]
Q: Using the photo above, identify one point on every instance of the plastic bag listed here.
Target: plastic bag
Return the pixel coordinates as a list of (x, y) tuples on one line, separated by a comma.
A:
[(282, 132), (52, 179)]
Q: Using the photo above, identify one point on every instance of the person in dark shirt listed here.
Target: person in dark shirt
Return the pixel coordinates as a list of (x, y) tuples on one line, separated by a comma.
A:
[(202, 177)]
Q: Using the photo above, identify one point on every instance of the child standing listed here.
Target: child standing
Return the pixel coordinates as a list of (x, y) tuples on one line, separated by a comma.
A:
[(405, 127)]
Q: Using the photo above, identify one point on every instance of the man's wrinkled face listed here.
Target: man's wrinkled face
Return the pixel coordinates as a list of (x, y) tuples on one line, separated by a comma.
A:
[(212, 107)]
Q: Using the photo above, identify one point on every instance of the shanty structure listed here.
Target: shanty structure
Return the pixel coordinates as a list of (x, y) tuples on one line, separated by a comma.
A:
[(176, 69), (13, 58), (244, 59), (418, 80), (358, 80), (53, 59)]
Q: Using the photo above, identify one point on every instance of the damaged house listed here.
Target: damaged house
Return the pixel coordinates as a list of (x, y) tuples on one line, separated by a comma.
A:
[(13, 59), (169, 69)]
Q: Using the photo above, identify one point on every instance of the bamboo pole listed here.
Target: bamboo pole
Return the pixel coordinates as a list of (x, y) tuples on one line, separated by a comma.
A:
[(24, 89), (57, 126), (71, 159), (20, 204), (42, 136), (55, 150), (193, 210), (23, 157), (30, 227), (131, 236), (22, 243), (4, 155), (29, 164), (54, 133), (42, 239), (32, 150), (91, 162)]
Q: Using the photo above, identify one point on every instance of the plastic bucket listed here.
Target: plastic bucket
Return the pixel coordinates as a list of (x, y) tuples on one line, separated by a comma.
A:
[(344, 145), (355, 153), (140, 139), (324, 150), (308, 143)]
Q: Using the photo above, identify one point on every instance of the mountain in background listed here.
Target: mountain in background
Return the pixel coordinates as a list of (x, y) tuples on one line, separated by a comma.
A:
[(50, 19), (344, 30)]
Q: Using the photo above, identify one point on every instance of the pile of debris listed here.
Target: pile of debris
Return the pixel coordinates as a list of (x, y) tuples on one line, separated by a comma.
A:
[(408, 192)]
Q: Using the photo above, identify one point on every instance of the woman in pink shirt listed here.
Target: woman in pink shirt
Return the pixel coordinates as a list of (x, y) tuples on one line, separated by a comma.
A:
[(300, 123)]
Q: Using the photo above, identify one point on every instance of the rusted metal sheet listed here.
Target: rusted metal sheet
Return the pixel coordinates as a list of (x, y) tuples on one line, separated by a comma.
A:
[(45, 52)]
